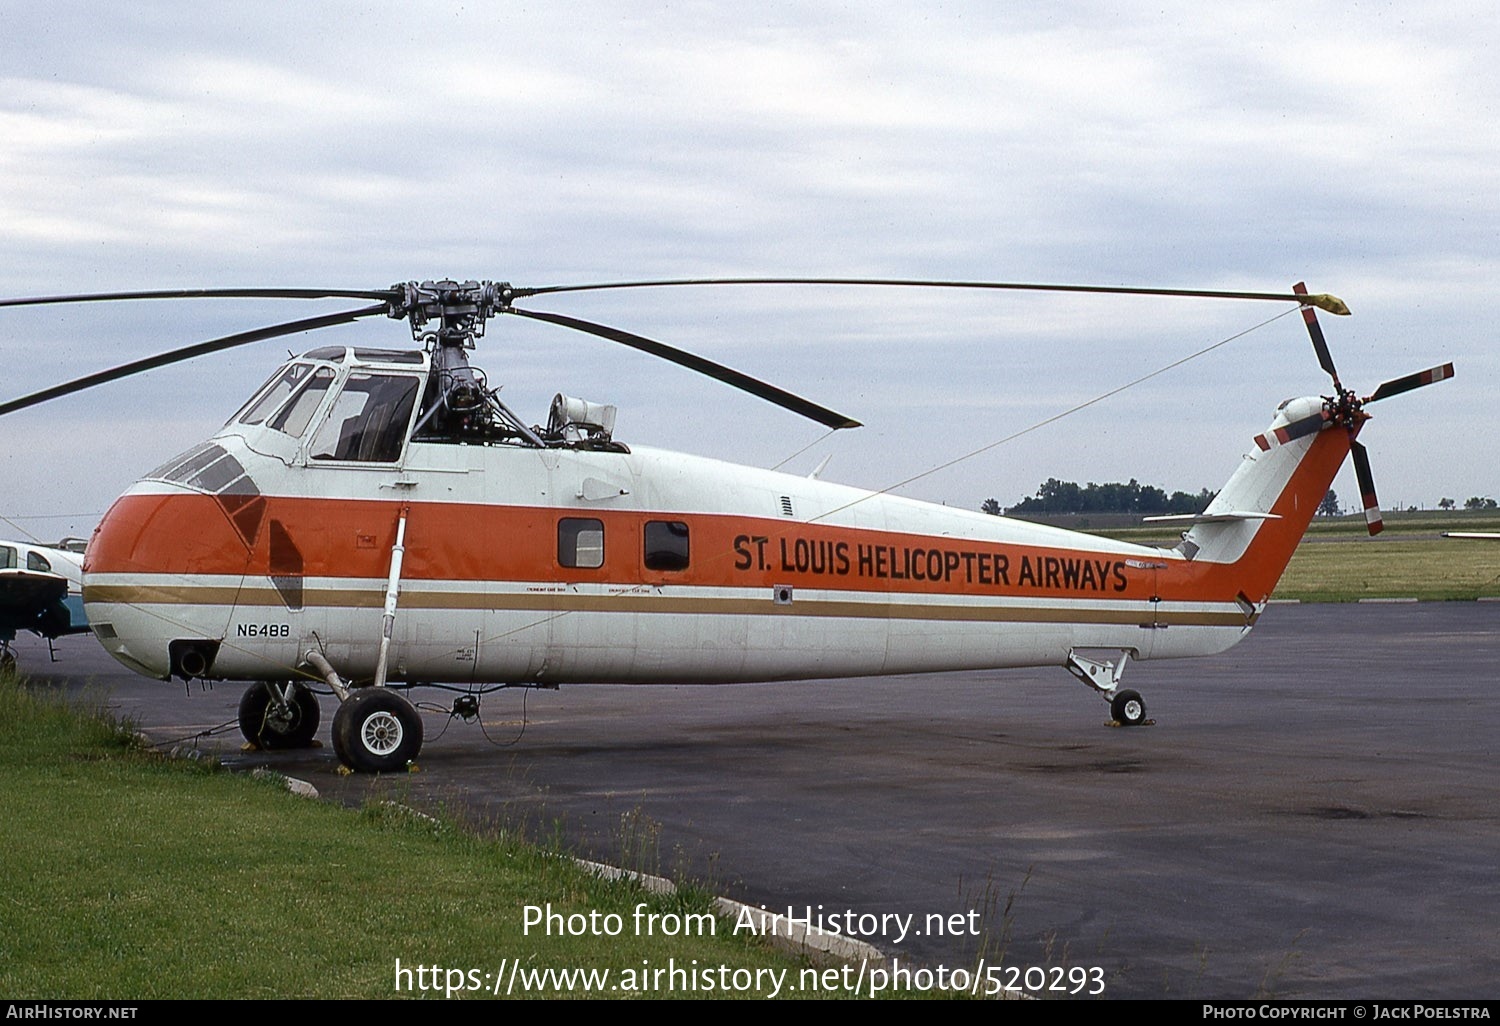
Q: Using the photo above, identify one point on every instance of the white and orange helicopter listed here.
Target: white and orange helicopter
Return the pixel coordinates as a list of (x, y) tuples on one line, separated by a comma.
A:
[(376, 520)]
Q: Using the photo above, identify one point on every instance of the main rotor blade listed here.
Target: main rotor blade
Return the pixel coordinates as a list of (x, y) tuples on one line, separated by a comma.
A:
[(1367, 487), (108, 297), (1411, 381), (1322, 301), (1314, 329), (187, 353), (718, 371)]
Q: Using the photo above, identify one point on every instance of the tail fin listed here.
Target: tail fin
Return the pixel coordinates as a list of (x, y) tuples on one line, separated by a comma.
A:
[(1261, 513)]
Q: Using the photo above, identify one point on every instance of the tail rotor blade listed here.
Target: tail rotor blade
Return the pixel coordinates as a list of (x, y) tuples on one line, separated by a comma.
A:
[(1367, 488), (1411, 381), (1320, 345), (1293, 431)]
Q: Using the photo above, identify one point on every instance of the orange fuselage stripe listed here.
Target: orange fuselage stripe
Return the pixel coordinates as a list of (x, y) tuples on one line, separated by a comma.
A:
[(184, 535)]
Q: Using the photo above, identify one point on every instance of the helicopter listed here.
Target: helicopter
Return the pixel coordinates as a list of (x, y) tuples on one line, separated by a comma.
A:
[(376, 520)]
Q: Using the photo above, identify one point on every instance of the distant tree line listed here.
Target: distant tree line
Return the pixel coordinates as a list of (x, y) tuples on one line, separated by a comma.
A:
[(1056, 496), (1480, 502)]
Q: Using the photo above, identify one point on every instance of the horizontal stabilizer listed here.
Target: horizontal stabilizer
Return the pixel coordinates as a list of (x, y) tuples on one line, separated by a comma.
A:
[(1211, 518)]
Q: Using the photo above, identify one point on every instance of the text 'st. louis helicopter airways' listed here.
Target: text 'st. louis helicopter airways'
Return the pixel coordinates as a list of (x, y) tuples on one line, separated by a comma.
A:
[(378, 520)]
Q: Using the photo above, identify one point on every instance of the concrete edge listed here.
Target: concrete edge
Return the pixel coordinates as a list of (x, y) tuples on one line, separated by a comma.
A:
[(797, 937), (300, 788), (1376, 601), (780, 932)]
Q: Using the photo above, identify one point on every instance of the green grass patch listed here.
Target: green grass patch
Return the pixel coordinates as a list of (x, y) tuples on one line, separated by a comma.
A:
[(131, 876), (1346, 570), (1338, 561)]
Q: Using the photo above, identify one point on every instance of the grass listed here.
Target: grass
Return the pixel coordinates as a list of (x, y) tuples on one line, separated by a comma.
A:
[(129, 876), (1339, 562)]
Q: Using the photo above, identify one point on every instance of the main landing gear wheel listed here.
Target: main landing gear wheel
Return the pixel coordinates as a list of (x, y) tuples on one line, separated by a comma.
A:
[(1128, 708), (274, 725), (376, 731)]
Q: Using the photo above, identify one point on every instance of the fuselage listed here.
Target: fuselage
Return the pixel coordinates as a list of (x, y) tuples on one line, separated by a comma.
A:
[(577, 563)]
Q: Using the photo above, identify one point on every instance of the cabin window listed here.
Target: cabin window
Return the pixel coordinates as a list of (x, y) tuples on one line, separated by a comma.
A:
[(38, 562), (666, 545), (297, 414), (7, 557), (580, 542), (368, 421)]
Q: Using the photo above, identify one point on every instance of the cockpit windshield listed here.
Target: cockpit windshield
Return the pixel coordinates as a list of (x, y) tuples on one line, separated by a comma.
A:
[(294, 417), (368, 420), (273, 393)]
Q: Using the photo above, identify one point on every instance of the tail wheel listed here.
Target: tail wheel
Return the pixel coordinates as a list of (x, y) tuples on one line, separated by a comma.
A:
[(1128, 708), (376, 731), (272, 725)]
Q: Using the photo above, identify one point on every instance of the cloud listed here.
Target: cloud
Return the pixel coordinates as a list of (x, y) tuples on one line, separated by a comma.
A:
[(360, 144)]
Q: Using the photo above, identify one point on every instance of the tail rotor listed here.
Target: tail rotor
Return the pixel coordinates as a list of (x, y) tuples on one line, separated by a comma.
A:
[(1345, 409)]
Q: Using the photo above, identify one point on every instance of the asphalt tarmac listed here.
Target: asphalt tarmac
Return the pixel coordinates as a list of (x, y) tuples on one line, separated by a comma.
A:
[(1314, 814)]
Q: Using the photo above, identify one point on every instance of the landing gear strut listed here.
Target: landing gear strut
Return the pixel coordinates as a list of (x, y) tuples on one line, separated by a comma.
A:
[(1126, 707)]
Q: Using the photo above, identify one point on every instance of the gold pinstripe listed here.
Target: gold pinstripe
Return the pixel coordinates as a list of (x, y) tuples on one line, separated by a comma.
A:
[(553, 602)]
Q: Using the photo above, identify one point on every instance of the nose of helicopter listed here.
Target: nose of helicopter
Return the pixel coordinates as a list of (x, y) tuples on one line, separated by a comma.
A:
[(160, 577)]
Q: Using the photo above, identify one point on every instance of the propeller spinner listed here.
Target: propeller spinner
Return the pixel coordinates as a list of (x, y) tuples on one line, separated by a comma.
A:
[(1346, 409)]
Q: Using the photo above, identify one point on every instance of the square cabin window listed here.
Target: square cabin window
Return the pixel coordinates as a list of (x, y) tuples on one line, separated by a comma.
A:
[(666, 545), (580, 542)]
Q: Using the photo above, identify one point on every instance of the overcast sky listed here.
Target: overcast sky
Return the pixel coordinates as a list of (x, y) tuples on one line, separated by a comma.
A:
[(360, 144)]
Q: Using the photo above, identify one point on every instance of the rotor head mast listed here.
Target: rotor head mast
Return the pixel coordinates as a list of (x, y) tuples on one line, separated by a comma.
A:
[(446, 318)]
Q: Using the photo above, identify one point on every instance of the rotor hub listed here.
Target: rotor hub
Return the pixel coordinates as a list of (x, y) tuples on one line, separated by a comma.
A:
[(458, 309), (1345, 408)]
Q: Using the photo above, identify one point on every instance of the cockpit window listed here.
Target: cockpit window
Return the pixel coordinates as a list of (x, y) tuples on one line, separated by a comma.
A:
[(38, 562), (295, 415), (368, 420), (273, 396), (7, 557)]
